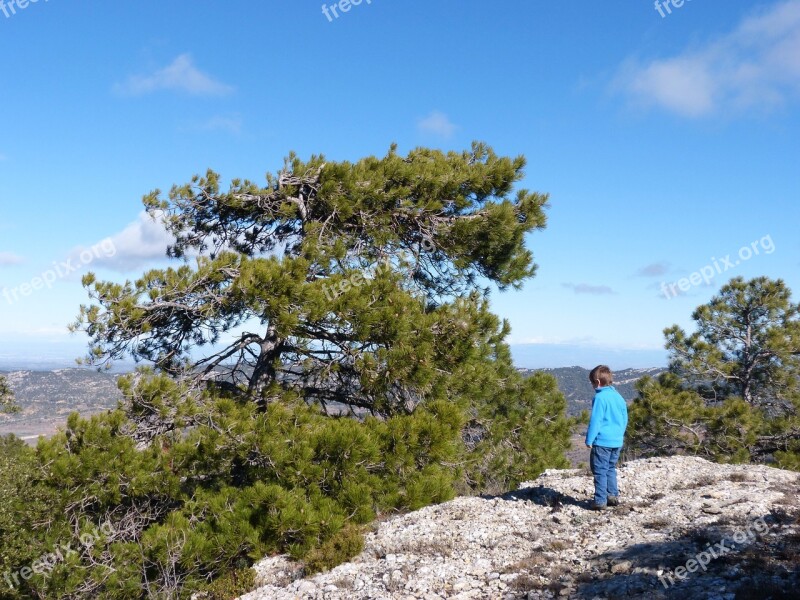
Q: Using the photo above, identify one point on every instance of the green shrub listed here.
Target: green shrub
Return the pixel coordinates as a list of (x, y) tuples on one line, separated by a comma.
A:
[(229, 482), (733, 389), (30, 517), (343, 546), (231, 585)]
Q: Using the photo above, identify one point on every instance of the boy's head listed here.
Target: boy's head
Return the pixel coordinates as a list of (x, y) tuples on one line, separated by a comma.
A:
[(601, 376)]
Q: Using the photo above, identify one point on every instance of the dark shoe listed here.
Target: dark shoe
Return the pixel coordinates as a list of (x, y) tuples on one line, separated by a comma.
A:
[(613, 501), (598, 506)]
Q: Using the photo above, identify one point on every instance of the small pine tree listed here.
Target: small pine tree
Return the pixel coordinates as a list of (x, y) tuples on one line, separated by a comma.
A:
[(7, 403), (733, 390)]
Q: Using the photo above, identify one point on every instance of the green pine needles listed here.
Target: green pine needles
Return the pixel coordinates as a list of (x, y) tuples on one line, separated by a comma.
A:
[(7, 403), (274, 417), (733, 389)]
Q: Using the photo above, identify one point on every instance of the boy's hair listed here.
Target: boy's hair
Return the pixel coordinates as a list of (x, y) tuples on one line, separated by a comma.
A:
[(602, 374)]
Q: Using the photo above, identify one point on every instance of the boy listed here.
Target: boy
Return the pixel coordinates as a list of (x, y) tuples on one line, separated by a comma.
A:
[(605, 436)]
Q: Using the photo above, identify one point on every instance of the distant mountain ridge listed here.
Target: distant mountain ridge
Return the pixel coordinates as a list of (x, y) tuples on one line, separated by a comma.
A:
[(574, 384), (48, 396)]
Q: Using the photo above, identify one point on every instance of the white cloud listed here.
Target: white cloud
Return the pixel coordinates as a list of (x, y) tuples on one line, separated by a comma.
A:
[(754, 67), (181, 75), (8, 259), (227, 124), (653, 270), (437, 123), (138, 245), (585, 288)]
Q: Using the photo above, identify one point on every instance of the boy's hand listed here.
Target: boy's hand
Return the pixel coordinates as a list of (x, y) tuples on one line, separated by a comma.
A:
[(589, 446)]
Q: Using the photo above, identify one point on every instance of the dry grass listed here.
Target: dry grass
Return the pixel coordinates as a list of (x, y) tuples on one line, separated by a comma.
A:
[(658, 523), (433, 547), (532, 571), (558, 545), (528, 536), (529, 564), (524, 583), (343, 583), (761, 589), (789, 494), (459, 515), (785, 517), (771, 558), (587, 577), (703, 537), (704, 481)]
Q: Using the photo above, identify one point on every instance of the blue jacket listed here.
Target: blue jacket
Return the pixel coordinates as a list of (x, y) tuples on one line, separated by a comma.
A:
[(609, 419)]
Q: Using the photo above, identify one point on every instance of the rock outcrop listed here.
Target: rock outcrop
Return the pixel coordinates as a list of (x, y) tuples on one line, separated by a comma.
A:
[(687, 528)]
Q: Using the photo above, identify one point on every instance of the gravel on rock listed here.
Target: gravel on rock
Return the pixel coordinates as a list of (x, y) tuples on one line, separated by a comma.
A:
[(543, 541)]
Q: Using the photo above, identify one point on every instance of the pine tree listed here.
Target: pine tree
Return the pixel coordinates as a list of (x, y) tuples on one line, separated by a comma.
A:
[(7, 403), (366, 374), (336, 278), (747, 344), (733, 391)]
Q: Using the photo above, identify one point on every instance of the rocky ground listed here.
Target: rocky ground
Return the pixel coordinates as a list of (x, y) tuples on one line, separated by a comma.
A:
[(542, 541)]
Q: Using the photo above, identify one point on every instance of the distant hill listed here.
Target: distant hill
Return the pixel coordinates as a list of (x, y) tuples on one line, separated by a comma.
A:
[(574, 384), (48, 397)]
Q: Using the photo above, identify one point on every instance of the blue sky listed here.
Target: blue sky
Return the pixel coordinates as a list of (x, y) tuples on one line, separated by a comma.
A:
[(667, 143)]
